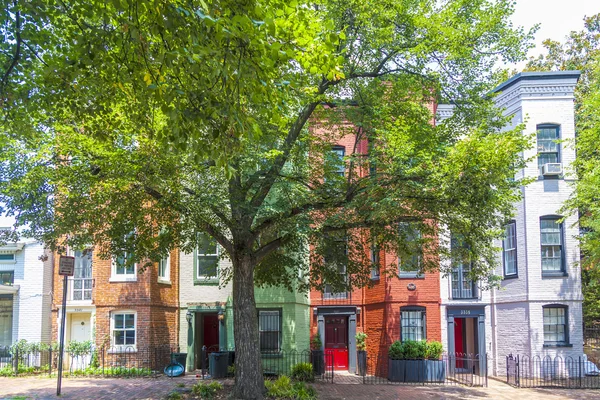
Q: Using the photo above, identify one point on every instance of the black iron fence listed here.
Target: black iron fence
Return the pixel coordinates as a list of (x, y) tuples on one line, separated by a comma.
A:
[(102, 361), (453, 369), (307, 365), (559, 372)]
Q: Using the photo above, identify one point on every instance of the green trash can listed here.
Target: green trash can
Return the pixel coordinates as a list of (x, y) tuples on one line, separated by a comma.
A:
[(217, 364), (181, 358)]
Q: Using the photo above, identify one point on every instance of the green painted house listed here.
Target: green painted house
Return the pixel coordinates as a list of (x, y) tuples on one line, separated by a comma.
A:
[(206, 311)]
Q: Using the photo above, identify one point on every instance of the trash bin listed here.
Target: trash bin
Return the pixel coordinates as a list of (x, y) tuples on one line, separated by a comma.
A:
[(180, 358), (217, 364)]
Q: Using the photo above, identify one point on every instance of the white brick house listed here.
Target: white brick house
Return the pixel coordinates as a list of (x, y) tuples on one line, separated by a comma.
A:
[(537, 310), (25, 291)]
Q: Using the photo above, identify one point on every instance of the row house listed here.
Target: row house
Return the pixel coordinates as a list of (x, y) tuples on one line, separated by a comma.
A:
[(537, 310), (25, 290)]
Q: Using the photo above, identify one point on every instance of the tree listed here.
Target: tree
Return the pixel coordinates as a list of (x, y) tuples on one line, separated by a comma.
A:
[(166, 120), (581, 51)]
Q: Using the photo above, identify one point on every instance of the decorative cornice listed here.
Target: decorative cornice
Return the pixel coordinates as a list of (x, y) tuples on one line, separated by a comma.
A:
[(537, 91)]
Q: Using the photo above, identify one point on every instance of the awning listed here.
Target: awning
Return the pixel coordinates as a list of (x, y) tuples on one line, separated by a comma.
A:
[(6, 289)]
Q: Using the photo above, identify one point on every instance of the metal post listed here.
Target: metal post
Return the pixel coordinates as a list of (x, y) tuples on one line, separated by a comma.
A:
[(62, 335), (50, 360)]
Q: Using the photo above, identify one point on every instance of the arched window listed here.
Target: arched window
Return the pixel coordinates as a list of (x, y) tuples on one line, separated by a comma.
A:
[(412, 323)]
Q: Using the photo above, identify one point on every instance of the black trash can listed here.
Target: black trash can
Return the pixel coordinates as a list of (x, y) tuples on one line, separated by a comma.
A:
[(217, 364), (231, 358)]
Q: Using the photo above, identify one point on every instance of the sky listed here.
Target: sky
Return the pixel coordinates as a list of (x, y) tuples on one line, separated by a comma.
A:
[(556, 18)]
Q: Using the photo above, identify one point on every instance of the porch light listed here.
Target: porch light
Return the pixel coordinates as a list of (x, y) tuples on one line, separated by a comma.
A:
[(221, 316), (188, 317)]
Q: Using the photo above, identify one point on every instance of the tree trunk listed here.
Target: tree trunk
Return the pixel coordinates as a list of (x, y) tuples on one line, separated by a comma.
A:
[(249, 381)]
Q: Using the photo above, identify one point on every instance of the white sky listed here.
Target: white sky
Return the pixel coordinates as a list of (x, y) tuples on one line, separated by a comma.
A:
[(557, 18)]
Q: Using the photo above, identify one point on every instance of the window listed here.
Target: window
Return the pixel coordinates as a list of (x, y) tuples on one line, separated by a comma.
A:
[(164, 269), (509, 250), (462, 285), (412, 323), (124, 267), (7, 278), (336, 260), (207, 258), (548, 148), (551, 240), (375, 269), (82, 279), (410, 266), (7, 258), (556, 325), (123, 329), (336, 158), (269, 328)]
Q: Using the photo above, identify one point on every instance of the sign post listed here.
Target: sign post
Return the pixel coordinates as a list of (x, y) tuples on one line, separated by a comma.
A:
[(66, 268)]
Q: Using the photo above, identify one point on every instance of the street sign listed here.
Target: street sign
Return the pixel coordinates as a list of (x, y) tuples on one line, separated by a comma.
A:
[(66, 266)]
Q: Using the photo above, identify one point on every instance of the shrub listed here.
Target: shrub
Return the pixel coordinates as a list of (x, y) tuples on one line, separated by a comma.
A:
[(408, 350), (303, 372), (361, 341), (206, 390), (174, 396), (283, 388), (231, 370), (434, 350), (94, 363), (315, 343)]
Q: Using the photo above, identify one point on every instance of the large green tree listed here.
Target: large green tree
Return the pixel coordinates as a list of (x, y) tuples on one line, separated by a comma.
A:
[(169, 119), (581, 51)]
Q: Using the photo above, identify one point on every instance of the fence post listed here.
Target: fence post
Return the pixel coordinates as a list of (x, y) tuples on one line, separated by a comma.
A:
[(50, 360), (16, 361), (579, 371), (102, 350), (518, 373)]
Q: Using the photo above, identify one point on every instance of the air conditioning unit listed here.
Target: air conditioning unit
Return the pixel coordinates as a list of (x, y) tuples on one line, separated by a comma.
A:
[(552, 169)]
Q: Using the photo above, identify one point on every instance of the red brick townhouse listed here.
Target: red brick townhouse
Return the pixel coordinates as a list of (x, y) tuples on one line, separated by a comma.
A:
[(116, 306), (400, 307)]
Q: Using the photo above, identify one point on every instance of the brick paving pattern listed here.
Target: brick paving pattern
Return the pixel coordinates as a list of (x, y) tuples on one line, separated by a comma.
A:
[(344, 389)]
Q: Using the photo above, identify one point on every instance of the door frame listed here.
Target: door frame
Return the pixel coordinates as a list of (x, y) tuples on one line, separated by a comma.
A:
[(478, 314), (193, 347), (350, 312)]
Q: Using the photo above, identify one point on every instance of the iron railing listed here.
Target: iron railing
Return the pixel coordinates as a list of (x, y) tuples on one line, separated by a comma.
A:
[(559, 372), (453, 369)]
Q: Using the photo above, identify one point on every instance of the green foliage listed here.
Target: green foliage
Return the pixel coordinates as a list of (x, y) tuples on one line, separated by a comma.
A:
[(315, 343), (408, 350), (231, 370), (94, 362), (77, 349), (206, 390), (434, 350), (174, 396), (361, 341), (302, 372), (284, 388)]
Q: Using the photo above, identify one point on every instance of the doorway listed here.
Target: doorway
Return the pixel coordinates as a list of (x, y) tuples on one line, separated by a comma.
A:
[(79, 331), (336, 341), (207, 334), (466, 343)]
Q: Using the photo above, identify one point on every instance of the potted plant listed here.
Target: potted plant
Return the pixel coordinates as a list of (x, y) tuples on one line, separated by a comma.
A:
[(436, 368), (407, 361), (317, 355), (361, 353)]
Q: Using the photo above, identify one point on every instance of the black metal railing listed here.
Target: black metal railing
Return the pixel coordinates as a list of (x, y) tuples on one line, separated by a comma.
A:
[(454, 369), (103, 361), (308, 365), (559, 372), (331, 298)]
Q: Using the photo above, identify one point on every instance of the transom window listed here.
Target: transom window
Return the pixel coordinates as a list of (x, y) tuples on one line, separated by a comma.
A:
[(164, 269), (412, 323), (509, 248), (269, 327), (555, 325), (547, 146), (124, 324), (7, 258), (551, 240), (207, 259)]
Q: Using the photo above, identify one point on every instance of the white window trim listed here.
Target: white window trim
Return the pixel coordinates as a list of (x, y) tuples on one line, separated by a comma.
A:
[(122, 348), (9, 262), (71, 284), (167, 278), (114, 277), (208, 277)]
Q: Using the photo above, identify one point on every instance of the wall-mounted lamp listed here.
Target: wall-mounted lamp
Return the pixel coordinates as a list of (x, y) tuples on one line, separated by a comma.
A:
[(315, 311), (221, 316), (188, 317)]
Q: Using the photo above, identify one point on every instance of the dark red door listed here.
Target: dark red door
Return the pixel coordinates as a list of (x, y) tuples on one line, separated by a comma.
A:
[(458, 341), (336, 341), (210, 331)]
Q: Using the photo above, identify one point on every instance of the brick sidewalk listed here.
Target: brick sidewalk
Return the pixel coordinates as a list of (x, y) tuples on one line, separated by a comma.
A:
[(158, 388)]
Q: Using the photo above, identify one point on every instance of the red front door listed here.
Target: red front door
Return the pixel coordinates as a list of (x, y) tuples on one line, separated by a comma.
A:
[(336, 341), (458, 341), (210, 332)]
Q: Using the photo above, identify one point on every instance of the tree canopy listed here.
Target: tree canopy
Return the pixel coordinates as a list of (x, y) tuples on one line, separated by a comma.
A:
[(166, 119)]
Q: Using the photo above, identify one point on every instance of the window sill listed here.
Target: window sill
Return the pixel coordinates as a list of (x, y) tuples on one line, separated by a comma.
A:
[(164, 281), (124, 350), (560, 274), (123, 279), (208, 281), (375, 278), (515, 276), (271, 355), (557, 345), (410, 276)]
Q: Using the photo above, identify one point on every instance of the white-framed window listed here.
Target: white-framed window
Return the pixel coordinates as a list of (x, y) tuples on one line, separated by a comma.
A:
[(82, 282), (509, 250), (164, 269), (547, 144), (551, 240), (7, 258), (123, 267), (123, 330), (375, 263), (207, 258), (410, 266), (412, 323), (556, 325)]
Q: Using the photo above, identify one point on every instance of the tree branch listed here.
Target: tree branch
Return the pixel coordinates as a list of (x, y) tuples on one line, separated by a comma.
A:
[(16, 57)]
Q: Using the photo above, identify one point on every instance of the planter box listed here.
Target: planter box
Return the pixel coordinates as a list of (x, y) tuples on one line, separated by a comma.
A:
[(436, 370), (407, 370), (318, 361), (361, 362)]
